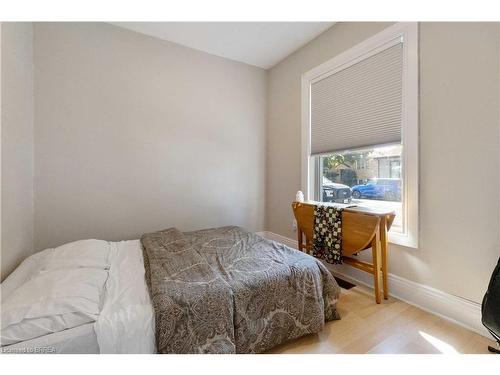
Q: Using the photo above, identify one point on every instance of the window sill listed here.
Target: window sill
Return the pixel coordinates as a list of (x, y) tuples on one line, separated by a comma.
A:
[(401, 239)]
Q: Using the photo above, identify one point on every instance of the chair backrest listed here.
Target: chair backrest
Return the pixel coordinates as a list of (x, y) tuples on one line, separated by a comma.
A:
[(358, 228)]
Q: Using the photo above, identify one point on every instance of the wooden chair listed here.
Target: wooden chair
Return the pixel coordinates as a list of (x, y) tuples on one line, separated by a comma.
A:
[(361, 229)]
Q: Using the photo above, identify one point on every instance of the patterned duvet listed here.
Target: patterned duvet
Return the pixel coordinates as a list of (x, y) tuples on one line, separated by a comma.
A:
[(226, 290)]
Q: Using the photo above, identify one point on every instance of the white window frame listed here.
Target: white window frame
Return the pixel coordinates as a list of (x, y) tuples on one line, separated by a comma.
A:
[(408, 33)]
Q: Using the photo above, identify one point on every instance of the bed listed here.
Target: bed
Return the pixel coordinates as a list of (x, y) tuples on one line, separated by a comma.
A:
[(222, 290)]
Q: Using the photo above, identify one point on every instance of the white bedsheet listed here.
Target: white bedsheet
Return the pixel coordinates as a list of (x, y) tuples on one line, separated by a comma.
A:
[(126, 321), (78, 340)]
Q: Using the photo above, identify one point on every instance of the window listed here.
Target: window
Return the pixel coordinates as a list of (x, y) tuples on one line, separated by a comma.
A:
[(360, 129)]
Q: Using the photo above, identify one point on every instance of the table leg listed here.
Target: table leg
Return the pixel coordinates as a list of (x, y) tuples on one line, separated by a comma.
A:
[(383, 250), (376, 266), (299, 239)]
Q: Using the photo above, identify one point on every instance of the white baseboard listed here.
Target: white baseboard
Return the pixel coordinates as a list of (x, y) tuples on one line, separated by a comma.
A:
[(453, 308)]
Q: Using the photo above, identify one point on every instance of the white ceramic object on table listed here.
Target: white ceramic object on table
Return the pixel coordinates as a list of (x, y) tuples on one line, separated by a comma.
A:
[(299, 197)]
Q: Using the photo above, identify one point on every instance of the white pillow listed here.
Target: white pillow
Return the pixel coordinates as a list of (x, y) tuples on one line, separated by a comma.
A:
[(83, 253), (29, 267), (51, 295)]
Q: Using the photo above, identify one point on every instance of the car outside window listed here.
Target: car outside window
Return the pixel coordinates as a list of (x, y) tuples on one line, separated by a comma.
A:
[(375, 182)]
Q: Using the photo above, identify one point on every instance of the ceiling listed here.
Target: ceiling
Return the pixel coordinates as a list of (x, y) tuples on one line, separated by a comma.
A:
[(263, 44)]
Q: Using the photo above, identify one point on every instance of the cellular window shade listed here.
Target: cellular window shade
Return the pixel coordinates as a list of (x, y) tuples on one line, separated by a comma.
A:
[(360, 105)]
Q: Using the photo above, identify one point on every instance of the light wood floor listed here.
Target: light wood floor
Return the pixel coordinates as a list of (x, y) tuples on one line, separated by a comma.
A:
[(391, 327)]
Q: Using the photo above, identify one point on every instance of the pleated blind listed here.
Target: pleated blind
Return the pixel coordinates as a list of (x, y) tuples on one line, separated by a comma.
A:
[(360, 105)]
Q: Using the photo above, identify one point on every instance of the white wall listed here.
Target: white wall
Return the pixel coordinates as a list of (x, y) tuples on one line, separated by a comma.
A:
[(134, 134), (16, 144), (459, 150)]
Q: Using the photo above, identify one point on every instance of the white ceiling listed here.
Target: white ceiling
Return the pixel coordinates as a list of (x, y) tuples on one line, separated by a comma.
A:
[(263, 44)]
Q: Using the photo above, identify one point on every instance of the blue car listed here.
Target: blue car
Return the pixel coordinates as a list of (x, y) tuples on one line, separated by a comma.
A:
[(388, 189)]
